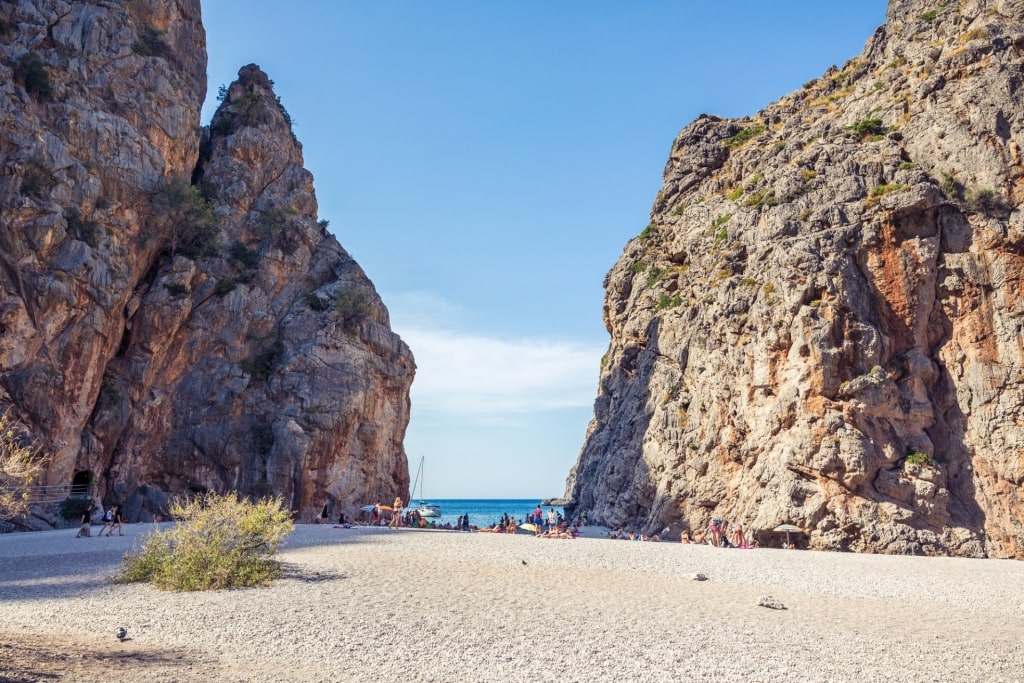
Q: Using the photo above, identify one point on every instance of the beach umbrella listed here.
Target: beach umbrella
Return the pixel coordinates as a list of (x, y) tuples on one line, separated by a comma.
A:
[(366, 508), (787, 528)]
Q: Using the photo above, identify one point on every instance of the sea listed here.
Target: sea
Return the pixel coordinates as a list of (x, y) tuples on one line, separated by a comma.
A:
[(486, 511)]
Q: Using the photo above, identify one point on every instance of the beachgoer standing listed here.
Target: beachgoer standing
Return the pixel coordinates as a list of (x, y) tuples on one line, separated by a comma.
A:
[(376, 513), (396, 513), (465, 523), (552, 519), (739, 539)]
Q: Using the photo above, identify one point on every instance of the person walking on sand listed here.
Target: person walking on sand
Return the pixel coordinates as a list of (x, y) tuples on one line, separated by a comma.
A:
[(396, 513), (108, 520), (116, 519), (86, 528)]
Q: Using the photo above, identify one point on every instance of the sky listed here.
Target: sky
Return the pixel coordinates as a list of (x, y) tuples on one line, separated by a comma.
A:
[(486, 162)]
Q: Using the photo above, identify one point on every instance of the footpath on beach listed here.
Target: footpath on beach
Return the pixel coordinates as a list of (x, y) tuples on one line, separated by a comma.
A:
[(370, 604)]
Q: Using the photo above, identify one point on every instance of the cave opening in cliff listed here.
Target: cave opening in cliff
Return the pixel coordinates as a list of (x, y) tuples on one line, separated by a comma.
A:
[(80, 483)]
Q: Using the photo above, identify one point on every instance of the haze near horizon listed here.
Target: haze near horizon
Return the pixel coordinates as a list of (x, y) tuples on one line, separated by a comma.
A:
[(486, 163)]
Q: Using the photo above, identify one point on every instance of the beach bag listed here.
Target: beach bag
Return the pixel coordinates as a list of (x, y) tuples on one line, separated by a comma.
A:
[(85, 529)]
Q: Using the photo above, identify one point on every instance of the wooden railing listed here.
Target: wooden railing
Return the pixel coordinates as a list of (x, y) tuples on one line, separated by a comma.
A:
[(40, 495)]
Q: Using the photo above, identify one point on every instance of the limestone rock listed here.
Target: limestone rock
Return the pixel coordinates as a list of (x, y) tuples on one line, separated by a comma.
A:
[(821, 325), (174, 318), (769, 602)]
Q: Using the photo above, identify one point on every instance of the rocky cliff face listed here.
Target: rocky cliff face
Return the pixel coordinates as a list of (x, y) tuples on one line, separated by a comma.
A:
[(823, 322), (173, 316)]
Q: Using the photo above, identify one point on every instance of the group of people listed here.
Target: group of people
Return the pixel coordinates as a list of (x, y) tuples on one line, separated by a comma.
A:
[(112, 519), (717, 535)]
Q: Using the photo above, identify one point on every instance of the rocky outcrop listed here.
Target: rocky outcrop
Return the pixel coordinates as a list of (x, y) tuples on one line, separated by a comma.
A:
[(174, 317), (822, 323)]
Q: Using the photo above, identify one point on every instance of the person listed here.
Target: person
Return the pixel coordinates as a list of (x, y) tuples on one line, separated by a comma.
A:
[(376, 513), (108, 520), (465, 522), (341, 519), (86, 525), (739, 539), (715, 531), (552, 519), (116, 519), (322, 517), (538, 516), (396, 513), (685, 536)]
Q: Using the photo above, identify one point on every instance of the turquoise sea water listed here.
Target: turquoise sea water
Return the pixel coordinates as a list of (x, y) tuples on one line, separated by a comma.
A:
[(485, 512)]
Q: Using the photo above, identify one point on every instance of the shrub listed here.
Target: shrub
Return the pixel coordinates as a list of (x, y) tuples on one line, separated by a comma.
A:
[(929, 15), (722, 220), (637, 267), (866, 128), (352, 308), (906, 165), (242, 257), (650, 231), (81, 228), (176, 289), (951, 187), (734, 194), (974, 34), (224, 287), (74, 507), (19, 465), (918, 457), (220, 541), (274, 220), (654, 275), (151, 44), (262, 365), (667, 301), (193, 228), (36, 178), (317, 302), (30, 72), (744, 136), (983, 200)]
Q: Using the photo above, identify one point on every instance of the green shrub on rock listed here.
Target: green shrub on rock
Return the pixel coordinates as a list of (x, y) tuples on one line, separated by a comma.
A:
[(220, 541)]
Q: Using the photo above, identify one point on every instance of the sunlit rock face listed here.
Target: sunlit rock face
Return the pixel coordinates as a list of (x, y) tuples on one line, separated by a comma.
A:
[(173, 317), (823, 323)]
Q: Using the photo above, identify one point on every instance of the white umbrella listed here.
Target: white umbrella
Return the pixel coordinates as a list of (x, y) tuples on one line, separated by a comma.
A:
[(787, 528)]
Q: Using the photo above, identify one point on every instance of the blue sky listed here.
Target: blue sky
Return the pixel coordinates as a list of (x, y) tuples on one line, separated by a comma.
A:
[(486, 162)]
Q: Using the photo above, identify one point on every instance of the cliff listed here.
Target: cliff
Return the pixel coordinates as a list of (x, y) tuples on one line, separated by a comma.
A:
[(822, 323), (174, 318)]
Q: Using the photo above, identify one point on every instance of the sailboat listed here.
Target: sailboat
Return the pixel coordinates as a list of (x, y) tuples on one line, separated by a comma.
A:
[(425, 509)]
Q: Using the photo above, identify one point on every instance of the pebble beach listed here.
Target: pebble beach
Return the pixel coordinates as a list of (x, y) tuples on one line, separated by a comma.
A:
[(366, 604)]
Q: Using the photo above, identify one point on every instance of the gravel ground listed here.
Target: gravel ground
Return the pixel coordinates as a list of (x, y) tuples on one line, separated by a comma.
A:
[(385, 605)]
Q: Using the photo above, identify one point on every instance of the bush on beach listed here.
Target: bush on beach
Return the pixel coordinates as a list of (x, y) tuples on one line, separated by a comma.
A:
[(220, 541)]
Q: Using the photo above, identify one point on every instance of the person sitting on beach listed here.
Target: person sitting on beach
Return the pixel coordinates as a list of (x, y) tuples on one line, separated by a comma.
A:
[(698, 538), (510, 526), (685, 537), (715, 527)]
